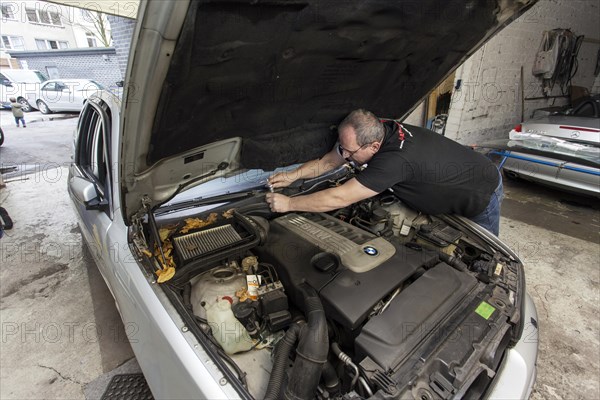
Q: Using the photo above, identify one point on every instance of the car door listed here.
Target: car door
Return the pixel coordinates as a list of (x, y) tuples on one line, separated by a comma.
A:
[(74, 94), (50, 95), (90, 182), (64, 97)]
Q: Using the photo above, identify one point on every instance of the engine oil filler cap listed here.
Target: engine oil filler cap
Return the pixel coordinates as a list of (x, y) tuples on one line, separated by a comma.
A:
[(325, 262), (370, 251)]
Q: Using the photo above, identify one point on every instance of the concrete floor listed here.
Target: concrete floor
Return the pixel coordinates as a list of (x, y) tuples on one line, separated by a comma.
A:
[(557, 236), (60, 329)]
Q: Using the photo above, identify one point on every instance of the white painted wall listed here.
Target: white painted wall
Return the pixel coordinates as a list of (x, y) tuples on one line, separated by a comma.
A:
[(29, 31), (488, 104), (71, 31)]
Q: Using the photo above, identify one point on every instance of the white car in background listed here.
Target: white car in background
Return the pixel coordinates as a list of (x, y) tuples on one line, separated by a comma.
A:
[(61, 95), (15, 82), (561, 150)]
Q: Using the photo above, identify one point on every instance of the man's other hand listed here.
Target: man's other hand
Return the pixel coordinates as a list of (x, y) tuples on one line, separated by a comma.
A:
[(278, 202)]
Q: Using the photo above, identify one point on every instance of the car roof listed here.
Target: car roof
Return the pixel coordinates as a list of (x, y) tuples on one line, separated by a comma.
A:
[(67, 80)]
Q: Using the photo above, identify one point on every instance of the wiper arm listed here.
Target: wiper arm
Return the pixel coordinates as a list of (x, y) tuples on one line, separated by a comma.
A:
[(207, 201)]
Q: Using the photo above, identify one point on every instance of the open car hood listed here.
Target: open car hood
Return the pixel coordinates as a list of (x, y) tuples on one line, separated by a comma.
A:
[(216, 86)]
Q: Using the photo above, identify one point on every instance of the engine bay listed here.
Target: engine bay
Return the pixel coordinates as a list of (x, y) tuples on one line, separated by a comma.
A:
[(371, 301)]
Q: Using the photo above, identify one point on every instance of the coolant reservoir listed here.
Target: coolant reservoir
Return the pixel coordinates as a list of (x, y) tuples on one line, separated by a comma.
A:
[(213, 285), (226, 329)]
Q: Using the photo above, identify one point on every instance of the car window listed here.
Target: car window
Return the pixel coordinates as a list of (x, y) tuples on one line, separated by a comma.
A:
[(5, 81), (92, 149), (99, 86), (49, 86), (41, 76)]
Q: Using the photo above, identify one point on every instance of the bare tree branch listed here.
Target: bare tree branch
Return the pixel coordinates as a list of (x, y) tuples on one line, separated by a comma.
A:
[(100, 27)]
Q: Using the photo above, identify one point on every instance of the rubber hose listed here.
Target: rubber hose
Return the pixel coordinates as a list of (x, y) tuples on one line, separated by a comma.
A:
[(330, 378), (312, 350), (280, 360), (453, 261)]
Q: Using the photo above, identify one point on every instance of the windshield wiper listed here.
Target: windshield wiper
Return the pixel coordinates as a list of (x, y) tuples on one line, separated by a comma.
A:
[(200, 201)]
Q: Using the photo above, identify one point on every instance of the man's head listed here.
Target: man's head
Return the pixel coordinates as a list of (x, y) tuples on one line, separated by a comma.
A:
[(360, 135), (13, 100)]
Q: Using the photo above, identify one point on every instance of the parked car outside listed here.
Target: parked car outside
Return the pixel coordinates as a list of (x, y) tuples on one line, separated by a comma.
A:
[(56, 95), (221, 297), (560, 150), (15, 83)]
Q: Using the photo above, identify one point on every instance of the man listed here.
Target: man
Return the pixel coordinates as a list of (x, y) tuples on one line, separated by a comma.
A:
[(427, 171)]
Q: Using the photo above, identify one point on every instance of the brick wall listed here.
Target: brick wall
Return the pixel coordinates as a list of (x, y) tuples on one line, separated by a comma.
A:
[(122, 31), (99, 64), (488, 104)]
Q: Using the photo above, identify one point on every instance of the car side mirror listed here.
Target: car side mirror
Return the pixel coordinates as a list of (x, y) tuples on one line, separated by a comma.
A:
[(85, 193), (119, 83)]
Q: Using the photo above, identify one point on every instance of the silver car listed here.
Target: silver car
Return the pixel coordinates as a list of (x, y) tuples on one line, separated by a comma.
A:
[(56, 95), (223, 298), (560, 150)]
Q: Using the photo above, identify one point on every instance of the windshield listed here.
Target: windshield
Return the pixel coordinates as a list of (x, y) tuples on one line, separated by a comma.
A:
[(245, 181), (41, 76), (99, 86)]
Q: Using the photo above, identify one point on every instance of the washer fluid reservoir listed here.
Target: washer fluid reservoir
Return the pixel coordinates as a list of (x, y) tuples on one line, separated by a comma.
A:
[(226, 329)]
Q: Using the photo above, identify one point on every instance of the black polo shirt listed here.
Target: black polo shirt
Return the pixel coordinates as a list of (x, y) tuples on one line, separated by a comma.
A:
[(431, 173)]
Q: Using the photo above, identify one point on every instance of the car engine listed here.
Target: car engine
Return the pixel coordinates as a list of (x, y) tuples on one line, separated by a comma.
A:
[(371, 301)]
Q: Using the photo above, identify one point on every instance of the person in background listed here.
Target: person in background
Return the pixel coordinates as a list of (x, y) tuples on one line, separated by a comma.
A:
[(17, 112)]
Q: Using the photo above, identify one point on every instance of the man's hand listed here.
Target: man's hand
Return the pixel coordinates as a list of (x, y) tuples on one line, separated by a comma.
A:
[(282, 179), (278, 202)]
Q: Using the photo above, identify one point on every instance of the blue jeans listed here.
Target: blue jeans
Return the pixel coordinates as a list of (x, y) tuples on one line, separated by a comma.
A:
[(490, 217), (17, 119)]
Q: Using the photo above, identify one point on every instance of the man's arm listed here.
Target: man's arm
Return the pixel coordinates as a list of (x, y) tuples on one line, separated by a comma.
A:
[(310, 169), (325, 200)]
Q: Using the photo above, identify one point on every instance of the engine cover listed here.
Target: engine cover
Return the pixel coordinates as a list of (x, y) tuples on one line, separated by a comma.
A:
[(358, 251), (389, 338), (348, 290)]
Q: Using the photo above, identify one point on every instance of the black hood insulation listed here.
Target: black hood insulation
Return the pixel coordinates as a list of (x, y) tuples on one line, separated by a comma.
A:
[(282, 74)]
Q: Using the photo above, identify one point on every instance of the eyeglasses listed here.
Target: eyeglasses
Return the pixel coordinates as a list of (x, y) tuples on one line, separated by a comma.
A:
[(350, 153)]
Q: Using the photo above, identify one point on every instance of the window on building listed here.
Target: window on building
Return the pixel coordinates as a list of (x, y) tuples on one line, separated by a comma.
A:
[(42, 16), (8, 11), (47, 44), (13, 42), (55, 17), (91, 40), (31, 15)]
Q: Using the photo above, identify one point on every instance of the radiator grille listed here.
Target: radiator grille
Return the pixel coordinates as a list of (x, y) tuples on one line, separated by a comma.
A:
[(199, 243)]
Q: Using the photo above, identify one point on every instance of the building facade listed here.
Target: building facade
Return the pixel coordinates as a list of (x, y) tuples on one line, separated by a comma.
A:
[(39, 26)]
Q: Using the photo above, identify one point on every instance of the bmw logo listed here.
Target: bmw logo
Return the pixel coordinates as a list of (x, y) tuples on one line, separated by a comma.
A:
[(370, 250)]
